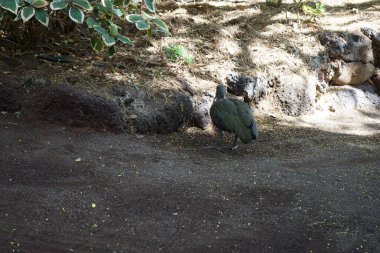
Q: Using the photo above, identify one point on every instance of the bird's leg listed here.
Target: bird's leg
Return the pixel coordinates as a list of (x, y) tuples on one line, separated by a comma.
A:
[(217, 143), (234, 146), (219, 139)]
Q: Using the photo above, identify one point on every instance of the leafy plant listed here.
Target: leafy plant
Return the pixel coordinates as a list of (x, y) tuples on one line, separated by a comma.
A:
[(100, 16), (313, 9), (175, 53)]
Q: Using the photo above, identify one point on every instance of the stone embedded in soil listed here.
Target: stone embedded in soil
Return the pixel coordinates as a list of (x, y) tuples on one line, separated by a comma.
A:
[(353, 73), (163, 118), (9, 100), (356, 48), (200, 116), (250, 88), (292, 94), (73, 107), (375, 38), (240, 85), (354, 56)]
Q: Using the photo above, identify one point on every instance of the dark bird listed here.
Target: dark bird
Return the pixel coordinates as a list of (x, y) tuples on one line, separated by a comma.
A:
[(233, 116)]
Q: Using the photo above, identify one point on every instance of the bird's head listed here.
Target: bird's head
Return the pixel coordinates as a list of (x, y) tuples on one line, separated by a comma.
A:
[(221, 92)]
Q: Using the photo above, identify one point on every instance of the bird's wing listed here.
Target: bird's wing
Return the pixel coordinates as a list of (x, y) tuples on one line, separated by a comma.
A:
[(247, 128), (244, 112), (224, 114)]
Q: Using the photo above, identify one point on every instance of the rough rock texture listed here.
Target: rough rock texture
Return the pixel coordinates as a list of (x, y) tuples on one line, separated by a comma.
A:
[(376, 80), (250, 88), (375, 38), (200, 116), (64, 104), (32, 84), (163, 119), (353, 73), (355, 48), (292, 94), (352, 58), (9, 100), (145, 112)]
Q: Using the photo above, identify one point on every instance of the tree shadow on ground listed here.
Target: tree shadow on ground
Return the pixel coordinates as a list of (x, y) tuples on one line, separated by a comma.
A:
[(251, 29), (295, 190)]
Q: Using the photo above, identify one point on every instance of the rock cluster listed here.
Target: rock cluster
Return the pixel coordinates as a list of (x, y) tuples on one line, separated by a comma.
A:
[(353, 57)]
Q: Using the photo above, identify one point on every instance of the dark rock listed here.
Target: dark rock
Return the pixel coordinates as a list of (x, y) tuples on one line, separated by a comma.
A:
[(240, 85), (375, 37), (78, 108), (359, 49), (200, 116), (34, 83), (376, 55), (119, 91), (122, 96), (334, 43), (354, 48), (368, 32), (9, 100), (250, 88), (371, 34), (164, 119), (376, 80)]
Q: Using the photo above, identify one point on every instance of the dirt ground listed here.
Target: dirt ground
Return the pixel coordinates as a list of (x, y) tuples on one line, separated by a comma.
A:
[(294, 190), (308, 184)]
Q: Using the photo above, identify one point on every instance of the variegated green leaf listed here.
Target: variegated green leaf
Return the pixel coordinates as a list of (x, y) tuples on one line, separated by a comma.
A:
[(147, 16), (58, 5), (142, 25), (42, 17), (91, 22), (124, 39), (118, 12), (133, 18), (100, 30), (114, 29), (9, 5), (97, 44), (161, 25), (108, 40), (119, 3), (76, 15), (39, 3), (111, 51), (150, 5), (108, 4), (27, 13), (101, 8), (83, 4)]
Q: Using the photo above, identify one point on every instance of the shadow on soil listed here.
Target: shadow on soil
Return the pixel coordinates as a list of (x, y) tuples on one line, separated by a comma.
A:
[(294, 190)]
